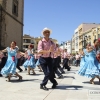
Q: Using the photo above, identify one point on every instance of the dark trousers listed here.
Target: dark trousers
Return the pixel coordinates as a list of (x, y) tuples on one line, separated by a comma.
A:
[(36, 60), (3, 62), (55, 66), (77, 62), (19, 64), (59, 67), (65, 64), (46, 65)]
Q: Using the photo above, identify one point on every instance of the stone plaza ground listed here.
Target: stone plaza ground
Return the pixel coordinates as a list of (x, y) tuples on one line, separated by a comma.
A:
[(71, 87)]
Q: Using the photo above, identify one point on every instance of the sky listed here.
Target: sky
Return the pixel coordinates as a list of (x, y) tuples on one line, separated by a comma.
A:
[(61, 16)]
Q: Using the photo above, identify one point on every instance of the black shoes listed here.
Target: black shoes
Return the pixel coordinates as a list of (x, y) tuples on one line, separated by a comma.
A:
[(54, 85), (0, 75), (20, 70), (63, 72), (61, 76), (44, 87), (69, 69)]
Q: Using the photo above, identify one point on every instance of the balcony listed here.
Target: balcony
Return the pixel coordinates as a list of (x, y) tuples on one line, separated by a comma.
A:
[(26, 40)]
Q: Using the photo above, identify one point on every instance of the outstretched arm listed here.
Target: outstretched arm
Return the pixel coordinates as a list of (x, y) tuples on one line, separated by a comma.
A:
[(5, 50)]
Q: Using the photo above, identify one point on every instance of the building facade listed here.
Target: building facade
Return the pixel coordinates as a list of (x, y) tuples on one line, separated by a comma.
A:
[(11, 22), (89, 36), (27, 40), (82, 29), (73, 44), (76, 40), (66, 45)]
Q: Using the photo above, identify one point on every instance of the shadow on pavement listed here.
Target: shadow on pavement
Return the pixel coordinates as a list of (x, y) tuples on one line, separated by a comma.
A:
[(69, 87), (69, 77), (70, 72), (23, 80), (35, 74), (75, 87)]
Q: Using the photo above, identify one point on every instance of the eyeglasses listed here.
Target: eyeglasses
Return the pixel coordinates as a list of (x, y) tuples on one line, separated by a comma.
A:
[(46, 32)]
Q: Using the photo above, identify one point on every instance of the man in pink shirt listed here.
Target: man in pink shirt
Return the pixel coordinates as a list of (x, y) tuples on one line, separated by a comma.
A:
[(77, 59), (66, 60), (46, 49), (55, 63), (59, 59)]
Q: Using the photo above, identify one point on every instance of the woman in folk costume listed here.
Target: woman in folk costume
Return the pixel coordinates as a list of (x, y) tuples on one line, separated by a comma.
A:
[(90, 68), (96, 48), (37, 56), (82, 62), (30, 62), (84, 57), (10, 67), (98, 51)]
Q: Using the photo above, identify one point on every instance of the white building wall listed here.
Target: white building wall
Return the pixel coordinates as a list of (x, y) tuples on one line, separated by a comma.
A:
[(68, 47), (76, 40)]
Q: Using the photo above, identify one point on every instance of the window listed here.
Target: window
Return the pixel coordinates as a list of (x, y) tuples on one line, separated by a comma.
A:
[(27, 41), (15, 7)]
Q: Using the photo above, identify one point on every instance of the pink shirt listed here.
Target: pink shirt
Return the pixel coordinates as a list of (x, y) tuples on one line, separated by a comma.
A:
[(45, 45), (18, 55), (1, 55), (26, 55), (58, 54), (54, 53), (66, 55), (77, 57), (60, 51)]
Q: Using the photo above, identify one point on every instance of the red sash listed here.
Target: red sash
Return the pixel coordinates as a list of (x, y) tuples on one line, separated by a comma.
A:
[(29, 57), (13, 58)]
